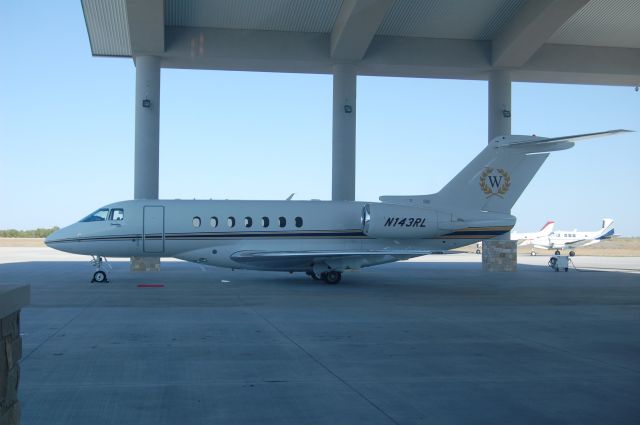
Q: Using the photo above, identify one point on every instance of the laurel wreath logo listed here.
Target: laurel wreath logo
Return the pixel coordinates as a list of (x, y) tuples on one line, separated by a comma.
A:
[(483, 183), (504, 186)]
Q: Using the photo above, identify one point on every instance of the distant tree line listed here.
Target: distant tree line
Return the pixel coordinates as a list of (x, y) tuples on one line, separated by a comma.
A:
[(37, 233)]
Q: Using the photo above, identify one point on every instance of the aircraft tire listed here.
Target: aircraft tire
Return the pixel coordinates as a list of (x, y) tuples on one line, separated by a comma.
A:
[(332, 277), (533, 253), (557, 252), (99, 277), (572, 253), (313, 276), (478, 251)]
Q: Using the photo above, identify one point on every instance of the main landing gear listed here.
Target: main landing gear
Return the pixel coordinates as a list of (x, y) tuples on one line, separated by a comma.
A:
[(331, 277), (100, 276)]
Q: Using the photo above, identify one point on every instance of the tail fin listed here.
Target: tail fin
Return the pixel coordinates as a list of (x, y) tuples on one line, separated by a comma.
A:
[(606, 223), (547, 229), (607, 231), (495, 179)]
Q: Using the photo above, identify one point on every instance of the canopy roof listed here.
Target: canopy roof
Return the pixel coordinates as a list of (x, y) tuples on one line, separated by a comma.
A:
[(564, 41)]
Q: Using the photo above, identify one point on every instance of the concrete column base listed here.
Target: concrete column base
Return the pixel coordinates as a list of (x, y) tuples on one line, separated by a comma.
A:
[(11, 300), (145, 264), (499, 256)]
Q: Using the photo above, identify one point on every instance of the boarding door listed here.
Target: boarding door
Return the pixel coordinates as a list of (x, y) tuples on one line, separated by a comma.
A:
[(153, 229)]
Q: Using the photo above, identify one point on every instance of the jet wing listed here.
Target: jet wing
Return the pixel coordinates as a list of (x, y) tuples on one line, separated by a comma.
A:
[(302, 260), (579, 242)]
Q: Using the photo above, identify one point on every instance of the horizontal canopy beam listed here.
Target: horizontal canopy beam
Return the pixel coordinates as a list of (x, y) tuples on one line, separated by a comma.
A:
[(527, 32), (273, 51)]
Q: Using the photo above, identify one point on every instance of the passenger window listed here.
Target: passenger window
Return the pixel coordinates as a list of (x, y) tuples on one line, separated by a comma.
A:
[(116, 214), (265, 221), (231, 222), (248, 222), (282, 221), (213, 221), (99, 215), (196, 221), (298, 221)]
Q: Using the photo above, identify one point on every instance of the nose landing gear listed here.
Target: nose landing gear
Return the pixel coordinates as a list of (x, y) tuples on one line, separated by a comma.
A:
[(100, 276)]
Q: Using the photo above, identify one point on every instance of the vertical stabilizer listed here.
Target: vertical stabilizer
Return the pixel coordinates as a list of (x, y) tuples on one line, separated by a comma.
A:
[(495, 179), (547, 229)]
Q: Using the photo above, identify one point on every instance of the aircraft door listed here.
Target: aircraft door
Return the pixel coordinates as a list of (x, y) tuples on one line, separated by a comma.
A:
[(153, 229)]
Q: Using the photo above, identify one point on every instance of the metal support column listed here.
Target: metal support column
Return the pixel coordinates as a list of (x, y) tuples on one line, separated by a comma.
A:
[(147, 143), (499, 104), (499, 253), (343, 177), (147, 153)]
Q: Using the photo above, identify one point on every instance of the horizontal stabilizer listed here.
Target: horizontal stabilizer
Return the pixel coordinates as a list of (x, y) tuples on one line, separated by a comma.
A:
[(562, 142)]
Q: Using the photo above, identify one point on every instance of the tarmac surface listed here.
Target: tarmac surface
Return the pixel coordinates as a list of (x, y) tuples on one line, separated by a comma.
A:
[(434, 341)]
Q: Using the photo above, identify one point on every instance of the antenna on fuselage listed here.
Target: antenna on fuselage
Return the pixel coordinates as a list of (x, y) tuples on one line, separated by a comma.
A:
[(290, 196)]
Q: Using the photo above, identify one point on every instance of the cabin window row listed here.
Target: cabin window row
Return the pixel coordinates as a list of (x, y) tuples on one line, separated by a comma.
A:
[(566, 235), (247, 222)]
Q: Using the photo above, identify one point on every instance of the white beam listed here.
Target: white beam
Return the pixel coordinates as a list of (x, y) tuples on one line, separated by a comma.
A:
[(355, 27), (147, 136), (343, 153), (146, 26), (536, 21), (499, 104), (274, 51)]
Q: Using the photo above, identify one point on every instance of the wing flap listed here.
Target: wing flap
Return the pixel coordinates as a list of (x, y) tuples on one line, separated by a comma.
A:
[(248, 256), (337, 259)]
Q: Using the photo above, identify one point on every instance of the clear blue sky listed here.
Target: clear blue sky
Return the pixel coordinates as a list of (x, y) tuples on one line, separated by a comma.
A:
[(67, 133)]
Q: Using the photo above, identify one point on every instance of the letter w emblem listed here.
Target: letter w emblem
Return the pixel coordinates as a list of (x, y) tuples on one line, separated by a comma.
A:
[(495, 181)]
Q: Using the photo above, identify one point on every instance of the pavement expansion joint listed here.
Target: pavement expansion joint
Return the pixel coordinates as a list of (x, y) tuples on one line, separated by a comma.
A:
[(325, 367)]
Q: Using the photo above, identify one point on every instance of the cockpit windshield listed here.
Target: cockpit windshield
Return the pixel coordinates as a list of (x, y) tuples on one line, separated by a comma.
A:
[(116, 214), (99, 215)]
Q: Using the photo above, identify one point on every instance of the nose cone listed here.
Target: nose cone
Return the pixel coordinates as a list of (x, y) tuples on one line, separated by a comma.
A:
[(49, 240), (56, 238)]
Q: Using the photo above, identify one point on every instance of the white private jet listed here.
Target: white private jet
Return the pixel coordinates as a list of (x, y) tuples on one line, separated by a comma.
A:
[(321, 238), (526, 239), (570, 239)]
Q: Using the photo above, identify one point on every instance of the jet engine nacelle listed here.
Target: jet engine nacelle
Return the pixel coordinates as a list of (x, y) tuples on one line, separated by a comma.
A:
[(398, 221)]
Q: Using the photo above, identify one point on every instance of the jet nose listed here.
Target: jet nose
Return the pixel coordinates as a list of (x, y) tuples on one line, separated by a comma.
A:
[(54, 237), (49, 239)]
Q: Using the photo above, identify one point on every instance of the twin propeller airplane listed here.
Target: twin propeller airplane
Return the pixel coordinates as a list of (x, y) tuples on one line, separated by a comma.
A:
[(321, 238), (547, 238)]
